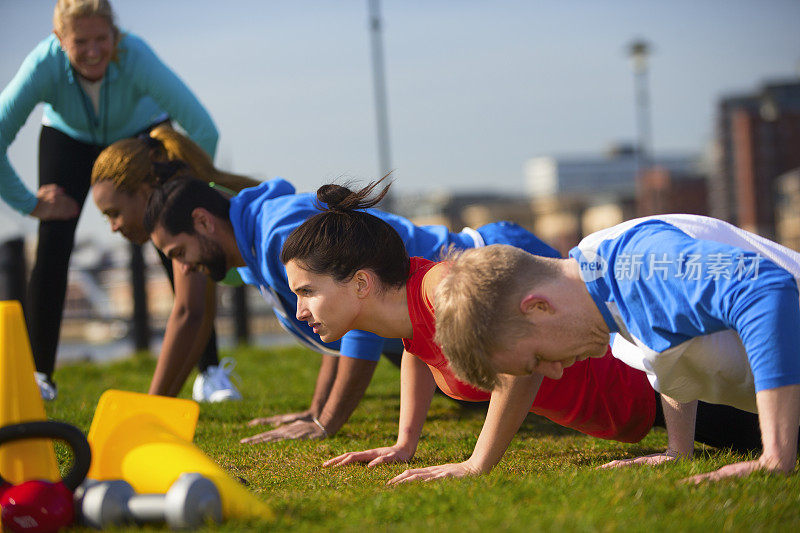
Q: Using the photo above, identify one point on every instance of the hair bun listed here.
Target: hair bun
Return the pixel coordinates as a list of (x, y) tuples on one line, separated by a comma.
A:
[(341, 199), (337, 197)]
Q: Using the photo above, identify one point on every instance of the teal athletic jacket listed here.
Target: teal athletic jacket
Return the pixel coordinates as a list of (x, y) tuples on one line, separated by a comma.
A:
[(138, 91)]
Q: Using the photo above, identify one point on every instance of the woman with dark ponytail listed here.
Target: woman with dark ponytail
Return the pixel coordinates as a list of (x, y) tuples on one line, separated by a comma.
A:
[(344, 238), (123, 178), (350, 270)]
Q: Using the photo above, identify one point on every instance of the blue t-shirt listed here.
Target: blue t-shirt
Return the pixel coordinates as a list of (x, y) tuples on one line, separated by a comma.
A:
[(710, 311), (264, 216), (139, 90)]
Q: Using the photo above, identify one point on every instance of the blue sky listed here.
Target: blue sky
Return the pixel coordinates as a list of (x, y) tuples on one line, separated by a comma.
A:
[(474, 87)]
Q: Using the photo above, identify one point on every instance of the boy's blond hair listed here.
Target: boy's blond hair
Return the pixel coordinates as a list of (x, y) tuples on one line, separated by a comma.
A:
[(477, 306), (130, 163)]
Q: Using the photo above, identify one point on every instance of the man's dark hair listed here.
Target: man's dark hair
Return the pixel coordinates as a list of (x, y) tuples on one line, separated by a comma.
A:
[(344, 239), (171, 205)]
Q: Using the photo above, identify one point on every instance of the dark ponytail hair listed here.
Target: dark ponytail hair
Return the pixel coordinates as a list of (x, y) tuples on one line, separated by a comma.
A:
[(344, 239)]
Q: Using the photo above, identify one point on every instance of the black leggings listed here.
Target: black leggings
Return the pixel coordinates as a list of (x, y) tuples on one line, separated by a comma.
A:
[(722, 426), (67, 163)]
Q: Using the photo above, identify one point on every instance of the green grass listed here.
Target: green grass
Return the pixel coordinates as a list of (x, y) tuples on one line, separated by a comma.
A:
[(546, 481)]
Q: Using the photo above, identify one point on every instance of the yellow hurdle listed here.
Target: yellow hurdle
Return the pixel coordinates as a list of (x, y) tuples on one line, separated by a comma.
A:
[(147, 441), (20, 401)]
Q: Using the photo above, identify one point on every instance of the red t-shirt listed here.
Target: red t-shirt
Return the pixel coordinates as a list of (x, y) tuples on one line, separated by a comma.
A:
[(602, 397)]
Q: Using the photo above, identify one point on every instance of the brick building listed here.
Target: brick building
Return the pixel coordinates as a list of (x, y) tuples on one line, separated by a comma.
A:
[(757, 140)]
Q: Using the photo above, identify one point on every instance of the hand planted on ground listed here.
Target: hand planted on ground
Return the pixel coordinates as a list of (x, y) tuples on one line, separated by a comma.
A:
[(279, 420), (430, 473), (299, 429), (374, 457)]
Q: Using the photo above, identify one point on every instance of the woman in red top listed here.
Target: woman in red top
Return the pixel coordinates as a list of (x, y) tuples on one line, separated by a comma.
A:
[(350, 270)]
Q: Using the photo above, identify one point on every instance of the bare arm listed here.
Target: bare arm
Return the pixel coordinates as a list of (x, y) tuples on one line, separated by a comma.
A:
[(416, 392), (352, 376), (509, 405), (189, 325), (328, 370), (679, 419), (325, 379), (779, 416)]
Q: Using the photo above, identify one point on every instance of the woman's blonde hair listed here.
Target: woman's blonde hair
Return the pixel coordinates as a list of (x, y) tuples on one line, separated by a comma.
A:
[(155, 158), (68, 10)]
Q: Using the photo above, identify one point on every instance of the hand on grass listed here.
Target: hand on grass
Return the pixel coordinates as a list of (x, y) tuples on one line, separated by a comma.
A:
[(54, 204), (279, 420), (735, 470), (374, 457), (652, 459), (430, 473), (299, 429)]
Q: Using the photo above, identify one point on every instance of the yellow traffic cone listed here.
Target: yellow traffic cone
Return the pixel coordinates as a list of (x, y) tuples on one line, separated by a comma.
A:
[(147, 441), (21, 401)]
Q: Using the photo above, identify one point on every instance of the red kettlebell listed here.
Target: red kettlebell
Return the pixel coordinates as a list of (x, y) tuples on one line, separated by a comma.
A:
[(37, 506)]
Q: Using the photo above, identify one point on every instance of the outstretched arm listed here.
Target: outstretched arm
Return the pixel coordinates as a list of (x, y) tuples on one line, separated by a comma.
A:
[(352, 376), (416, 392), (325, 379), (189, 324), (679, 418), (779, 416), (509, 405)]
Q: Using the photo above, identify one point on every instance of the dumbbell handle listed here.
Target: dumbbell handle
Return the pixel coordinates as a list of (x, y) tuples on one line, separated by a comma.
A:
[(190, 500), (147, 507)]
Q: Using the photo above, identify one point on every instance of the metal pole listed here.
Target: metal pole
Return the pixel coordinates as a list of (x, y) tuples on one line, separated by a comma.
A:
[(639, 51), (141, 322), (241, 326), (379, 83)]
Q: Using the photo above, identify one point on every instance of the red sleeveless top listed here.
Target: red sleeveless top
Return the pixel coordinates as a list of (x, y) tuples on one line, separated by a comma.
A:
[(602, 397)]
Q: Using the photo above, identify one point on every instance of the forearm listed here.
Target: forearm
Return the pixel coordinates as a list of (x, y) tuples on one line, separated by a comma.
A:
[(325, 380), (189, 325), (509, 405), (176, 362), (679, 420), (158, 81), (13, 190), (779, 415), (351, 381), (198, 347), (417, 387), (17, 101)]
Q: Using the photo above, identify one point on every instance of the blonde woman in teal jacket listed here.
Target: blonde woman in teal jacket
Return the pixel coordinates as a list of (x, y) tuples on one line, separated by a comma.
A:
[(98, 85)]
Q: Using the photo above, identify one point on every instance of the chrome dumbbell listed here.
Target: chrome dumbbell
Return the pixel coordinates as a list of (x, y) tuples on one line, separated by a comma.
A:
[(190, 501)]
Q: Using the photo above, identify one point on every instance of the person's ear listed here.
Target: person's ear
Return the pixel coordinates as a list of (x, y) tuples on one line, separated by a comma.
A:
[(144, 191), (203, 221), (550, 369), (535, 305), (364, 281)]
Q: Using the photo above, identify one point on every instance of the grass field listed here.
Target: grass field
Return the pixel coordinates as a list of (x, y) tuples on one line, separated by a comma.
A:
[(546, 481)]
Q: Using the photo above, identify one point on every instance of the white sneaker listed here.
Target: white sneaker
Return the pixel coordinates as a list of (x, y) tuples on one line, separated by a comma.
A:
[(47, 388), (214, 385)]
